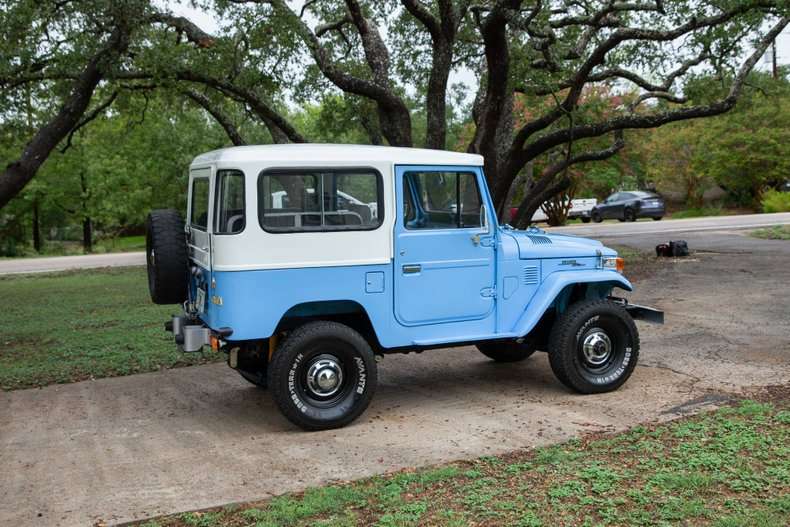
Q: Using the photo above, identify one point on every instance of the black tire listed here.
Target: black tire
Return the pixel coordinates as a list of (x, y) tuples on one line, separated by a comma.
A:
[(507, 350), (314, 344), (166, 256), (629, 215), (258, 378), (585, 219), (596, 217), (657, 218), (594, 371)]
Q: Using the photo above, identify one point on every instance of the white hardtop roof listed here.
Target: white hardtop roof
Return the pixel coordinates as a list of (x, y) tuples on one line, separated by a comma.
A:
[(316, 154)]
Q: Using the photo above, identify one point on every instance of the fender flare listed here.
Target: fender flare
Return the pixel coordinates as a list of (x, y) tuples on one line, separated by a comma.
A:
[(552, 286)]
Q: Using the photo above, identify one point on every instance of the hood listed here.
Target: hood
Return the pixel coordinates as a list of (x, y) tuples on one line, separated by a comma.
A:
[(536, 243)]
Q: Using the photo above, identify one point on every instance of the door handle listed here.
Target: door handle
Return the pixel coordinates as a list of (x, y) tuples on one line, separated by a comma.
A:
[(485, 241), (412, 269)]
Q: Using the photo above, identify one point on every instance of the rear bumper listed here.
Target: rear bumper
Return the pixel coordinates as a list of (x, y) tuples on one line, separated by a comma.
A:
[(644, 313), (653, 212), (579, 213), (192, 334)]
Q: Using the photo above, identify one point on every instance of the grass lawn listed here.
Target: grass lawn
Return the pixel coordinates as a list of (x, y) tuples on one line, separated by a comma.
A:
[(727, 468), (79, 325), (777, 232)]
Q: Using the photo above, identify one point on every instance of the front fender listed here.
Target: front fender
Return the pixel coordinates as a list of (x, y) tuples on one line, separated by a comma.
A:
[(555, 283)]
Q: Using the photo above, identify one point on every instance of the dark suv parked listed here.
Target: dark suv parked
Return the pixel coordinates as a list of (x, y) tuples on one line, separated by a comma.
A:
[(628, 206)]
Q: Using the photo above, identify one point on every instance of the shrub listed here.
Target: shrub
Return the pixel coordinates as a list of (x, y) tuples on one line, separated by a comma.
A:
[(775, 201)]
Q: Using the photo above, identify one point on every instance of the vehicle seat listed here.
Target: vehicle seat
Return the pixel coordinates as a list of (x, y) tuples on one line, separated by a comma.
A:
[(235, 223)]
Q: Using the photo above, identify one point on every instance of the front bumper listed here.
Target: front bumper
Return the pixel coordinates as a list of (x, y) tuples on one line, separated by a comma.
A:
[(637, 312), (191, 334)]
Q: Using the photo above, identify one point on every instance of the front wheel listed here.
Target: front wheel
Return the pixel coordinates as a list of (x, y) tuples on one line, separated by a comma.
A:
[(323, 375), (507, 351), (594, 346), (596, 217), (657, 218), (585, 219)]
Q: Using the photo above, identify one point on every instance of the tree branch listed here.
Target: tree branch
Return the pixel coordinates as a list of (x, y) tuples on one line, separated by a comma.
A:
[(221, 117), (18, 173), (185, 26), (93, 114)]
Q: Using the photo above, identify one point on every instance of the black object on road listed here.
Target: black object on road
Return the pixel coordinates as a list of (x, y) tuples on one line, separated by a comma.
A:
[(673, 249)]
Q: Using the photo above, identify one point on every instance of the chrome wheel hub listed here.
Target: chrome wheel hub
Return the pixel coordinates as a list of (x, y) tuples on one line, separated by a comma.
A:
[(324, 377), (597, 347)]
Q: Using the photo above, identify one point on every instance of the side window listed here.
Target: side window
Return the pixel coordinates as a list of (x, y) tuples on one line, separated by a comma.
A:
[(323, 200), (229, 212), (199, 215), (441, 200)]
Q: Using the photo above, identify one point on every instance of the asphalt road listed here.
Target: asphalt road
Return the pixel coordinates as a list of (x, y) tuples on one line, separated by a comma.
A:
[(133, 447), (67, 263), (647, 226), (595, 230)]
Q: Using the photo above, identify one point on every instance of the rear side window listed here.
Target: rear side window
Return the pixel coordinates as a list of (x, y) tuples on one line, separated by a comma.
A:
[(320, 200), (199, 206), (230, 217), (441, 200)]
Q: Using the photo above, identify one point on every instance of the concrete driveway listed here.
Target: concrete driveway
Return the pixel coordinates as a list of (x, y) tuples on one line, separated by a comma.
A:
[(138, 446)]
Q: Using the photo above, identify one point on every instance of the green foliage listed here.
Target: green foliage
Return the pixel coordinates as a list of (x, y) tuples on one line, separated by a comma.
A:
[(747, 148), (118, 168), (777, 232), (698, 212), (775, 201), (103, 324)]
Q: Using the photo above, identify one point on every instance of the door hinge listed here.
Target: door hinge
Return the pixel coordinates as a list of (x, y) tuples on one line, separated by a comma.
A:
[(488, 292)]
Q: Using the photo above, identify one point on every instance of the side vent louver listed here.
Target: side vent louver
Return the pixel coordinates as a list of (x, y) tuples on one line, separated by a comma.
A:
[(530, 275), (539, 240)]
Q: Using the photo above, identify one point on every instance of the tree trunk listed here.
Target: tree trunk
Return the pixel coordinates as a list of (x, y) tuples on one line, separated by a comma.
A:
[(87, 234), (435, 100), (36, 228)]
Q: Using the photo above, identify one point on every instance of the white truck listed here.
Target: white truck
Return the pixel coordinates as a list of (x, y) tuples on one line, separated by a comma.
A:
[(580, 208)]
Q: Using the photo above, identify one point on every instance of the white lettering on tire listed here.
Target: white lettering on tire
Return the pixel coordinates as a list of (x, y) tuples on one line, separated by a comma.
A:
[(362, 375), (292, 383)]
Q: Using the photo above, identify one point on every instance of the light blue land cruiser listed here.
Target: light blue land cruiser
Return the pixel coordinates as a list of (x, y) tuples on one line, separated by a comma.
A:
[(304, 262)]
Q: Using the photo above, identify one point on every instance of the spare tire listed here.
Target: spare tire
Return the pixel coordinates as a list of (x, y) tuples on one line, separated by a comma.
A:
[(166, 256)]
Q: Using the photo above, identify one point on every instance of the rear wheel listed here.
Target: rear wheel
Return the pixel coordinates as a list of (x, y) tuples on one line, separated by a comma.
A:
[(596, 217), (585, 219), (323, 375), (657, 218), (166, 257), (507, 351), (594, 346)]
